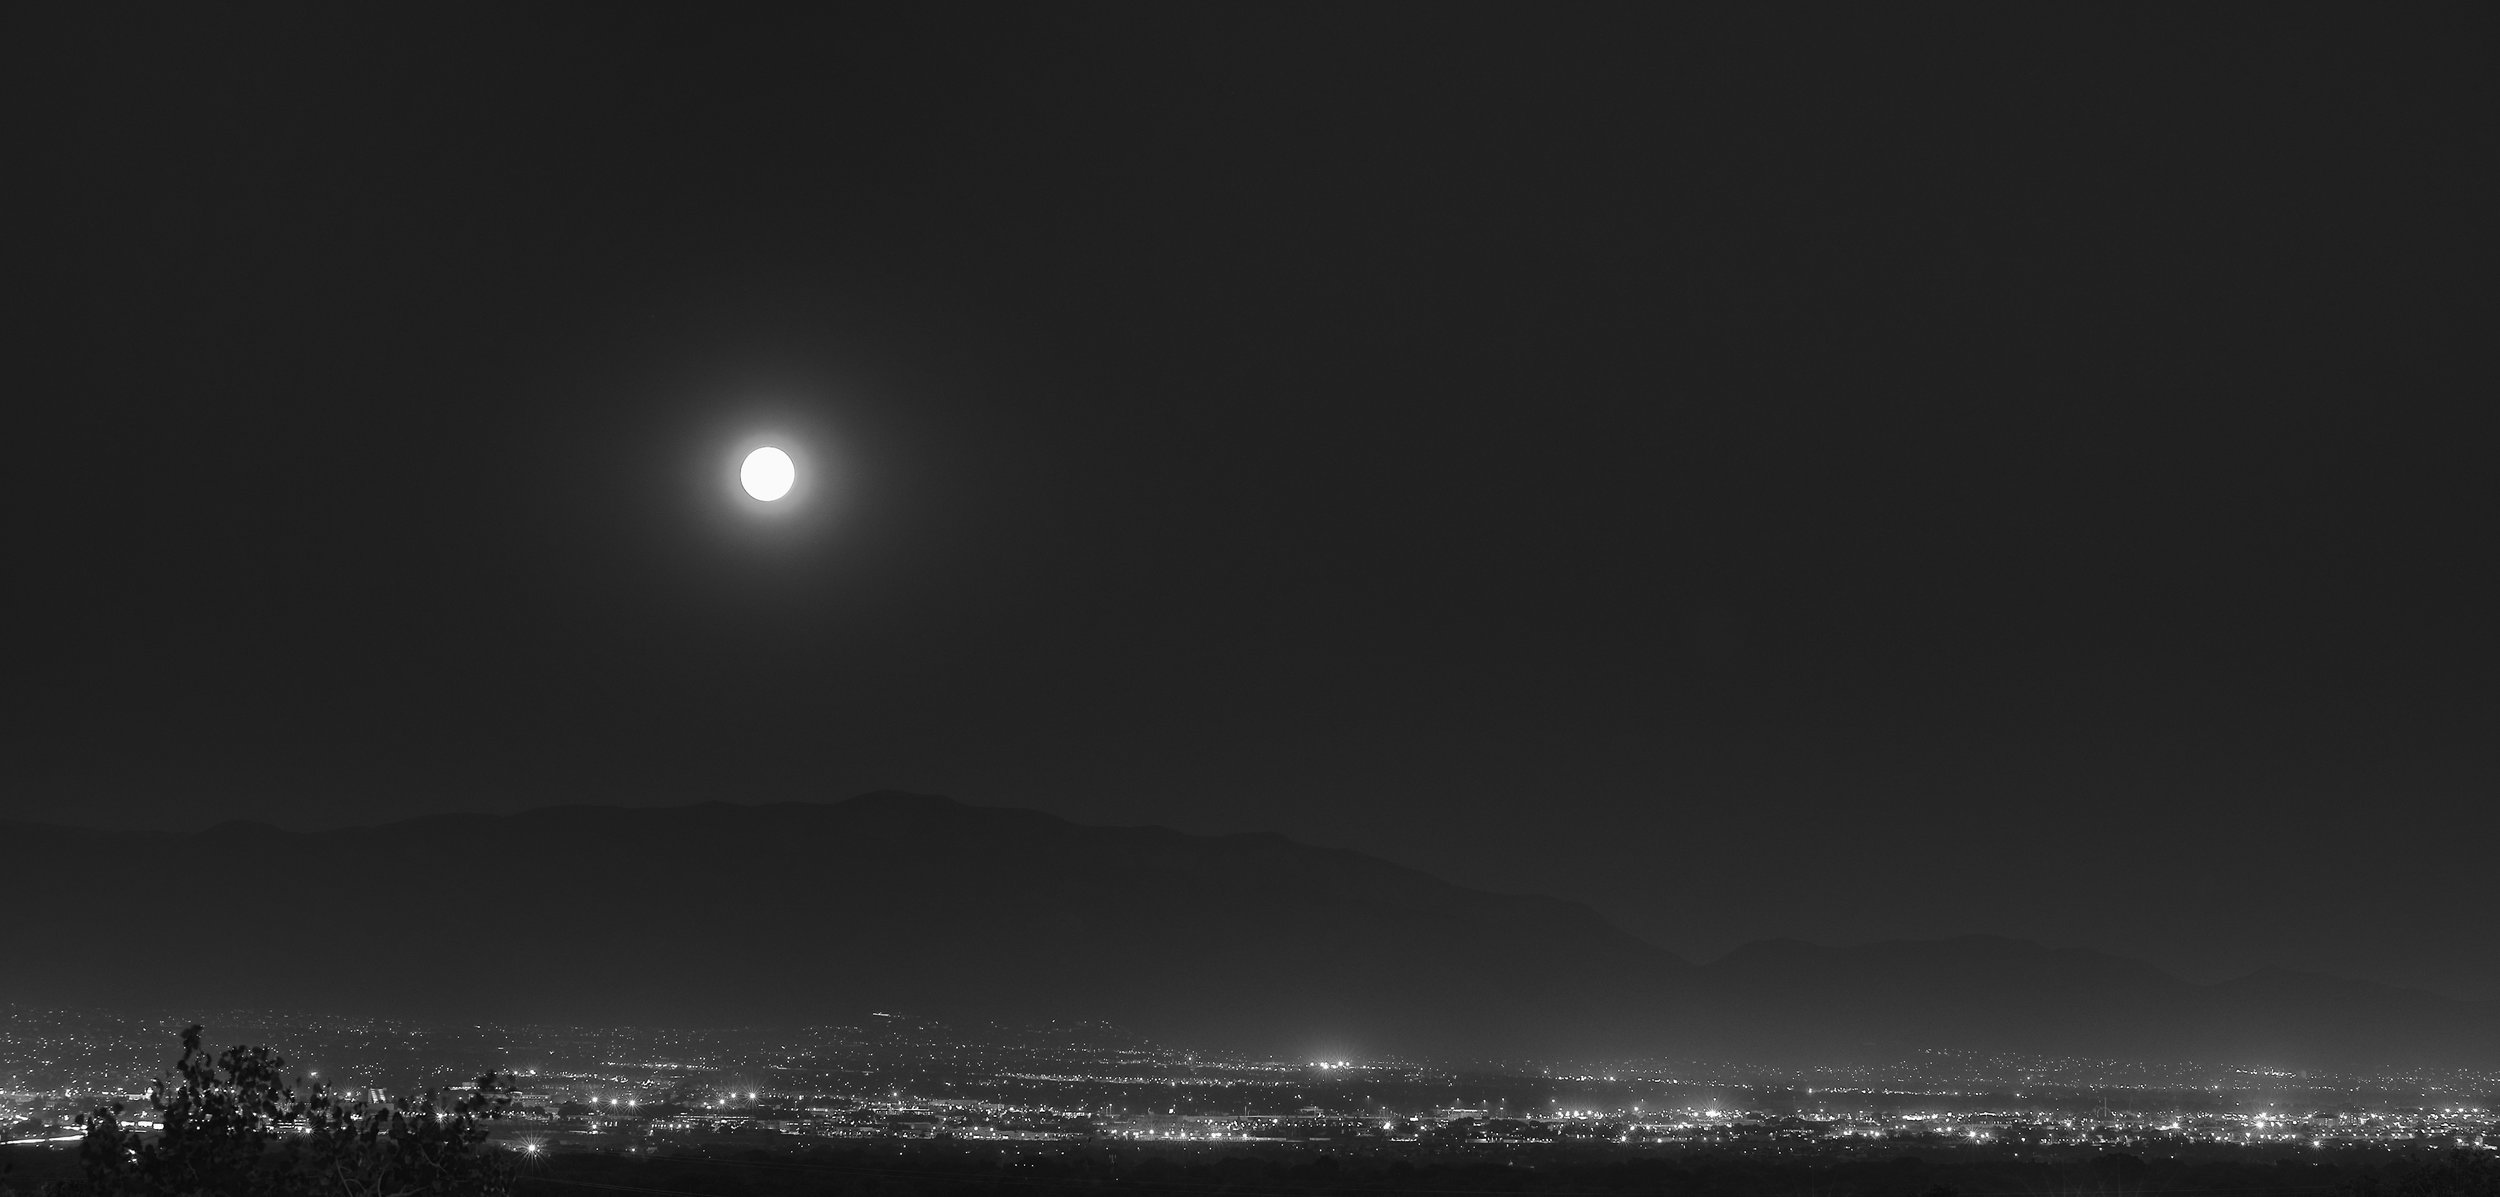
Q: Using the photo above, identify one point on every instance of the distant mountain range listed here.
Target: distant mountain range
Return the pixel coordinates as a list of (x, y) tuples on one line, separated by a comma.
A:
[(718, 913)]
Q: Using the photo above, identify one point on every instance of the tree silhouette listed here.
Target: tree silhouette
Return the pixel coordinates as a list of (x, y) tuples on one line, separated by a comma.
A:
[(235, 1125)]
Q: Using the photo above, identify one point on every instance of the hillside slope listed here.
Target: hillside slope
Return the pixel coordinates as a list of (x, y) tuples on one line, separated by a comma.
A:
[(889, 901), (796, 913)]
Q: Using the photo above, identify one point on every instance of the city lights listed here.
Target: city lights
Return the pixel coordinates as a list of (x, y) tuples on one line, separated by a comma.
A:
[(589, 1090)]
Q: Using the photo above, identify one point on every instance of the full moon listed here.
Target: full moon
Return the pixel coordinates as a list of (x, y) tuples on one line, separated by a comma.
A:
[(767, 473)]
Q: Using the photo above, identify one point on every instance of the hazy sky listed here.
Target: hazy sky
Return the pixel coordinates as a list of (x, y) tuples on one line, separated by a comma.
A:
[(1840, 473)]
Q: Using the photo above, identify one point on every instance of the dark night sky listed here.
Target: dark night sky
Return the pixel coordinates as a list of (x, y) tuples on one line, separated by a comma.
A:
[(1840, 473)]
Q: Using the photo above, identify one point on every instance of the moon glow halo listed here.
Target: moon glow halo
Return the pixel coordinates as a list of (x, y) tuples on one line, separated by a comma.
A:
[(767, 474)]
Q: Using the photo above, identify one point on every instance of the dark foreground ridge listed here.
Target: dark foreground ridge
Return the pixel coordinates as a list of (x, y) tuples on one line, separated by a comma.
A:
[(1931, 1171), (802, 913)]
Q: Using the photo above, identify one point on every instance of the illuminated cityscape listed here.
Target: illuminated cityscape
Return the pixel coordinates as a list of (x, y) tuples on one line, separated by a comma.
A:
[(901, 1079), (1251, 600)]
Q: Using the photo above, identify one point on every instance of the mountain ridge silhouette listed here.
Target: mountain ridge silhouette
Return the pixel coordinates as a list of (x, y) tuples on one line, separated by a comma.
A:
[(806, 912)]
